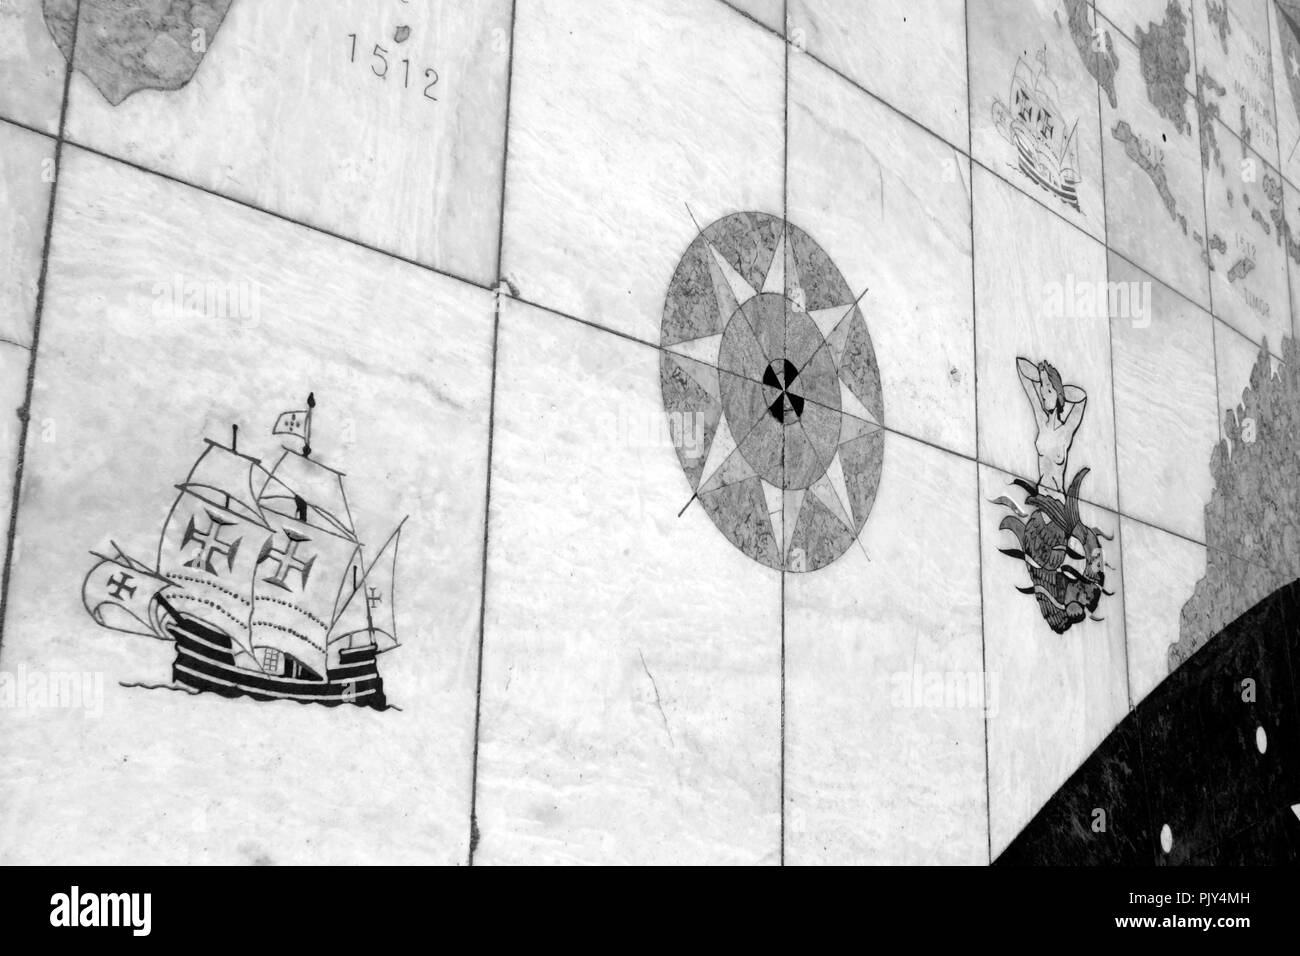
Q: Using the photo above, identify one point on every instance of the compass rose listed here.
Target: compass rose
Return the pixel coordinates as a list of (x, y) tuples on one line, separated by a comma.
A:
[(772, 390)]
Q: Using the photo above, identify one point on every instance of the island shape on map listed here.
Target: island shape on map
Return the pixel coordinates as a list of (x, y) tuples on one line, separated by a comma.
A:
[(124, 46)]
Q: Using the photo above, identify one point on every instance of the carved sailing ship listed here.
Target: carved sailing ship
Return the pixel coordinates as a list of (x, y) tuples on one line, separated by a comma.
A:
[(1048, 150), (260, 581)]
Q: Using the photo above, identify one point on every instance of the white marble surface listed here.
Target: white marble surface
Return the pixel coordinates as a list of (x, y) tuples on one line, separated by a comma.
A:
[(899, 230), (607, 159), (911, 55), (26, 174), (1166, 425), (632, 715), (131, 383), (885, 683), (308, 129), (648, 692), (31, 68)]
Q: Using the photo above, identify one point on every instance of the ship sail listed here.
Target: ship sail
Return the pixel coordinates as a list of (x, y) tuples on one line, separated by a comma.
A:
[(119, 594), (296, 590), (302, 488), (368, 615), (211, 541)]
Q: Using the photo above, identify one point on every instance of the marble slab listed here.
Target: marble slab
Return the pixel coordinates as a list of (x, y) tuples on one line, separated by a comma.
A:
[(1160, 575), (1060, 694), (890, 204), (319, 113), (1155, 211), (1166, 423), (170, 316), (31, 70), (1234, 56), (26, 176), (632, 657), (609, 180), (885, 687), (911, 55), (1041, 294), (1244, 207), (1046, 139)]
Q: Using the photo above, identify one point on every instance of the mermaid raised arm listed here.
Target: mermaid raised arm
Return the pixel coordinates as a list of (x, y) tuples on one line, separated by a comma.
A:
[(1029, 380)]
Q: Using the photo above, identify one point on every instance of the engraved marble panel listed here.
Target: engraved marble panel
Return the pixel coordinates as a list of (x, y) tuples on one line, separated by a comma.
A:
[(1155, 211), (1034, 69), (170, 316), (1244, 207), (1041, 295), (320, 113), (1058, 695)]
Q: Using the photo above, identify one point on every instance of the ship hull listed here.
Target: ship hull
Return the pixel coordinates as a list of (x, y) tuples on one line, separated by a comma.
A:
[(205, 661)]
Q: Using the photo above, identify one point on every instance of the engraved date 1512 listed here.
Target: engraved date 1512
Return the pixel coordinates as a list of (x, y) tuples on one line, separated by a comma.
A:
[(385, 62)]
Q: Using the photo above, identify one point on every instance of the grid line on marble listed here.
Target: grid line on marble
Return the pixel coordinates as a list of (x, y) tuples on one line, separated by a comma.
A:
[(487, 492), (34, 351), (785, 218), (1110, 342), (979, 525)]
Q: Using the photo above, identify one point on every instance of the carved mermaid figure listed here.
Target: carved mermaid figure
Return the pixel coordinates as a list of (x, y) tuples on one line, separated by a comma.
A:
[(1062, 553), (1058, 410)]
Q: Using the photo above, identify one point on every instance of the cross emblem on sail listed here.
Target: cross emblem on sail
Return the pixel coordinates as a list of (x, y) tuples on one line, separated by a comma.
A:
[(255, 580), (287, 560), (210, 544)]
